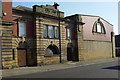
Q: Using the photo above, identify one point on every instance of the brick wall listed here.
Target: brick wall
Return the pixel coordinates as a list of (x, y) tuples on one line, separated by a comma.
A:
[(6, 38)]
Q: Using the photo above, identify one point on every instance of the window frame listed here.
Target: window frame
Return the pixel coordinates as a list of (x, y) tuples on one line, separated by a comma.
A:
[(51, 29), (48, 31), (24, 27), (67, 33), (55, 32), (95, 28)]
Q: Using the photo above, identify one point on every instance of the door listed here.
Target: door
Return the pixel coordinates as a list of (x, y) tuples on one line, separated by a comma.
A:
[(22, 57), (69, 52)]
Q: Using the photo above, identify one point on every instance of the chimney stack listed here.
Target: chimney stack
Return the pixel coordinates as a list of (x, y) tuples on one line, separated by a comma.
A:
[(7, 10), (56, 5)]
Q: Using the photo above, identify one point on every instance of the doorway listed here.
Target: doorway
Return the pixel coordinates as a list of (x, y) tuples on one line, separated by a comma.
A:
[(69, 52), (22, 57)]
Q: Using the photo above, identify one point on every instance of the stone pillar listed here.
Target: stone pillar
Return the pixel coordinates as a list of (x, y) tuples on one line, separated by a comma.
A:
[(113, 44), (38, 34), (63, 42), (6, 45)]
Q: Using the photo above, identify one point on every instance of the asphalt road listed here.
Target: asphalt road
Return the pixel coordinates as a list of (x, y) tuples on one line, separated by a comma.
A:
[(101, 70)]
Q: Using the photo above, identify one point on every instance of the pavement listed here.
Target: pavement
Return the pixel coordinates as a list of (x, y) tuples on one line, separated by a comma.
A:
[(44, 68)]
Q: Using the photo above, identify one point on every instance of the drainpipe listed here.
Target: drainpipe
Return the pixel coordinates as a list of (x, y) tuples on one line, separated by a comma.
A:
[(59, 36), (58, 12)]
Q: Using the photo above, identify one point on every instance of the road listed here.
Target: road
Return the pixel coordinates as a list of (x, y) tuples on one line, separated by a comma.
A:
[(101, 70)]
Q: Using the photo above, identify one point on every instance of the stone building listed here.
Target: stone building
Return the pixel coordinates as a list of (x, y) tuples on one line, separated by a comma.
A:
[(42, 35), (92, 37), (38, 39)]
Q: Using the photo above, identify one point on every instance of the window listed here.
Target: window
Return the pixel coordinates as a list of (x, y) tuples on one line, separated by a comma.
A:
[(51, 31), (56, 32), (22, 29), (45, 31), (98, 27), (68, 33), (51, 50)]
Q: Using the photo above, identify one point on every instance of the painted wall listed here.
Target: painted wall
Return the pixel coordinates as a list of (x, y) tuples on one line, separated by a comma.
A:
[(88, 26), (94, 46)]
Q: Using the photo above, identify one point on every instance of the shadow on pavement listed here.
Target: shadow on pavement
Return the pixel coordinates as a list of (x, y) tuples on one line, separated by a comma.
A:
[(113, 67)]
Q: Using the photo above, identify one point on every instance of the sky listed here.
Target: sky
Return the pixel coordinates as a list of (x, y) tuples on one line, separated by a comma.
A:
[(106, 10)]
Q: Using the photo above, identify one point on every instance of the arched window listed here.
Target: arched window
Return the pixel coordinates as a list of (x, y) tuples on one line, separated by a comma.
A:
[(98, 27), (51, 50)]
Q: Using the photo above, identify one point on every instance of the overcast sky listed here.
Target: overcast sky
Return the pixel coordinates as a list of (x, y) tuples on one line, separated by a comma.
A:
[(106, 10)]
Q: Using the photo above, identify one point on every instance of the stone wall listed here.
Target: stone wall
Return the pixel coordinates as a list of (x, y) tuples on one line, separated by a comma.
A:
[(31, 53), (42, 43), (6, 45), (94, 49), (89, 49)]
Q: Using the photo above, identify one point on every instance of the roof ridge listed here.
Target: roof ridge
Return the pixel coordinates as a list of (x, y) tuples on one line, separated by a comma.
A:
[(24, 7)]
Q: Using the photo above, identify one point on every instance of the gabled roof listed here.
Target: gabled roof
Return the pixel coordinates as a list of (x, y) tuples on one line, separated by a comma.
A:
[(89, 16), (24, 8)]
